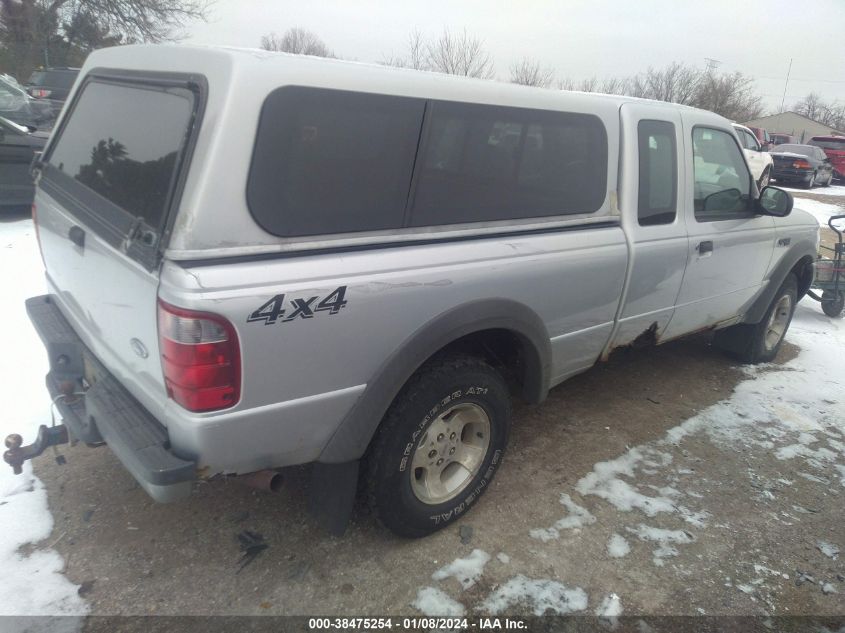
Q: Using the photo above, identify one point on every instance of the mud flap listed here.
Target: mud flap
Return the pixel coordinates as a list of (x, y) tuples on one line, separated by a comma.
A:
[(332, 496)]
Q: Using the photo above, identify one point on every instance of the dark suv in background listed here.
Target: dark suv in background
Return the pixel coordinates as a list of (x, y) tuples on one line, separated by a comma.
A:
[(52, 83)]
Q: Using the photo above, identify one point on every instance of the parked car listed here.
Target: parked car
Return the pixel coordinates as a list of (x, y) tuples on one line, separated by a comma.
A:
[(16, 105), (778, 138), (52, 83), (805, 164), (834, 149), (759, 160), (762, 137), (261, 261), (18, 145)]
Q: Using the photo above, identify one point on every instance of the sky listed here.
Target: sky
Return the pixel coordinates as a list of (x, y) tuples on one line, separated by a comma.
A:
[(575, 38)]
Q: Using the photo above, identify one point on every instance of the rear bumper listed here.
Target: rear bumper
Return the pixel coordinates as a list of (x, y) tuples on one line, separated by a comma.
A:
[(795, 175), (108, 412)]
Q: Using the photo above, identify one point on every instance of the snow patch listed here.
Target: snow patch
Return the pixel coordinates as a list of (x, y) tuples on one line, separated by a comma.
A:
[(467, 570), (828, 549), (541, 596), (617, 546), (434, 602), (610, 607), (32, 584), (577, 518), (503, 558), (665, 539)]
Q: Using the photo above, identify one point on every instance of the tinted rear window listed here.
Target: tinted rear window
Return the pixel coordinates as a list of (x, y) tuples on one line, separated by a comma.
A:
[(658, 173), (53, 78), (484, 163), (332, 161), (122, 141)]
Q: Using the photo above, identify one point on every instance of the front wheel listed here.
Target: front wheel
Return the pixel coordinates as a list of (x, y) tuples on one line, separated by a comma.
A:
[(833, 304), (765, 178), (439, 445), (761, 342)]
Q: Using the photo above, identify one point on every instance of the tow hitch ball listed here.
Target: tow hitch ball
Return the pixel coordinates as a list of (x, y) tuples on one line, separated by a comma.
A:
[(17, 454)]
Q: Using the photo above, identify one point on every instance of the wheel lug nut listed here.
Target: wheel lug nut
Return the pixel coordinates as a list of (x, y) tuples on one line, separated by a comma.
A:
[(432, 453), (452, 437), (439, 461), (440, 437), (452, 451)]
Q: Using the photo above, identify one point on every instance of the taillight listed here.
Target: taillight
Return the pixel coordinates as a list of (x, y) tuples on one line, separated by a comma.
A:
[(801, 164), (200, 358), (41, 93)]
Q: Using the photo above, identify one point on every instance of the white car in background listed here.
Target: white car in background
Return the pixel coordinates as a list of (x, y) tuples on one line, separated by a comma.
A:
[(759, 162)]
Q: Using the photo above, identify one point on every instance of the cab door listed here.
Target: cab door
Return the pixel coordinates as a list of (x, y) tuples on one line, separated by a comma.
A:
[(729, 247), (651, 191)]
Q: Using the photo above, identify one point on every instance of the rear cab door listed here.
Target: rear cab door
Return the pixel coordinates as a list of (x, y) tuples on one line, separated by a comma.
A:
[(730, 247), (110, 176), (652, 188)]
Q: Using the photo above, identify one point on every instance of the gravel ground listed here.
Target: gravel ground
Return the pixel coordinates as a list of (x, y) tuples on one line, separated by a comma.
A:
[(667, 481)]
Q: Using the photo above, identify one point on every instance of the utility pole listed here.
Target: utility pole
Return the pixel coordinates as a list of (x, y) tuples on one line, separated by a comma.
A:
[(712, 64), (786, 84)]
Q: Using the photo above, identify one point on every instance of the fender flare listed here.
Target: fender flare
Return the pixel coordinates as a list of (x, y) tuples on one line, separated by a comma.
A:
[(353, 435), (802, 249)]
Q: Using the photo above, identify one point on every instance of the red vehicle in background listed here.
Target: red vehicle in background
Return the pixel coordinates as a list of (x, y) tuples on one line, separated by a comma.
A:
[(762, 136), (834, 147)]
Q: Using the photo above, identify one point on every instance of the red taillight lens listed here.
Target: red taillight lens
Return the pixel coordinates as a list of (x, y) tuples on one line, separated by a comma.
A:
[(200, 358), (801, 164), (41, 93)]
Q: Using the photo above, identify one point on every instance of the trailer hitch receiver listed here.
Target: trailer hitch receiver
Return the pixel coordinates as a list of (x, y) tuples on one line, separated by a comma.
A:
[(16, 454)]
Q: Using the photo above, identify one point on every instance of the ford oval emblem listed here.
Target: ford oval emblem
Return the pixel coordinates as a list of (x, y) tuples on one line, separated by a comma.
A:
[(139, 348)]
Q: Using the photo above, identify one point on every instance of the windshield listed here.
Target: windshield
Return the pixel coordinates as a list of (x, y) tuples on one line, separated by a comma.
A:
[(12, 98)]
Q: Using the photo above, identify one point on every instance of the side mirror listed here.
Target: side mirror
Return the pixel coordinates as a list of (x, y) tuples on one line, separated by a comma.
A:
[(775, 202)]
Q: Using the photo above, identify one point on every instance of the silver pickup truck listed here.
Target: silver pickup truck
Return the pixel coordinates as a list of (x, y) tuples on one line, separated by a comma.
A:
[(258, 260)]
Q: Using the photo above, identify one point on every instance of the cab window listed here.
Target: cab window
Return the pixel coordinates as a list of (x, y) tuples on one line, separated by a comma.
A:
[(722, 183)]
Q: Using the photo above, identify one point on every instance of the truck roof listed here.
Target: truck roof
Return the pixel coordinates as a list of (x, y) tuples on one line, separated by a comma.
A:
[(277, 68)]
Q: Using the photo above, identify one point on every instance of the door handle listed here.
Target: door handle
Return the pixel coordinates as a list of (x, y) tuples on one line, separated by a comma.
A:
[(77, 236), (704, 247)]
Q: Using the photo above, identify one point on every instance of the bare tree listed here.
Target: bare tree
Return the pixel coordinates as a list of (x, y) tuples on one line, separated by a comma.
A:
[(28, 28), (416, 56), (732, 95), (296, 40), (676, 83), (813, 106), (528, 72), (459, 54)]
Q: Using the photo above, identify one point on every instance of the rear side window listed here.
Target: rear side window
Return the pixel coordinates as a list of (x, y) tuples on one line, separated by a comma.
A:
[(483, 163), (122, 141), (657, 203), (333, 161)]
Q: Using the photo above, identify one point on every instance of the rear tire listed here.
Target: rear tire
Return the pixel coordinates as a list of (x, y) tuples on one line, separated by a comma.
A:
[(439, 445), (761, 342), (811, 182), (828, 181), (765, 178), (833, 306)]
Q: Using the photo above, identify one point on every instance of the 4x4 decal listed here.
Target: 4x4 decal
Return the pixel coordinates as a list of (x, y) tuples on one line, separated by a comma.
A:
[(301, 308)]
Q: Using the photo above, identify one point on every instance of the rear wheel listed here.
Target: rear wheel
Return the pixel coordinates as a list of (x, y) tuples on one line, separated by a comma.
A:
[(828, 181), (833, 304), (761, 342), (439, 445), (811, 182)]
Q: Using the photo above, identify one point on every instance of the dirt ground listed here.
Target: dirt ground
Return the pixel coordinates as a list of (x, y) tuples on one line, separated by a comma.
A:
[(750, 545), (132, 556)]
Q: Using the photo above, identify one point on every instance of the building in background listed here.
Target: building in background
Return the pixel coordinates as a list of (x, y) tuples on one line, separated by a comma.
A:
[(796, 125)]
